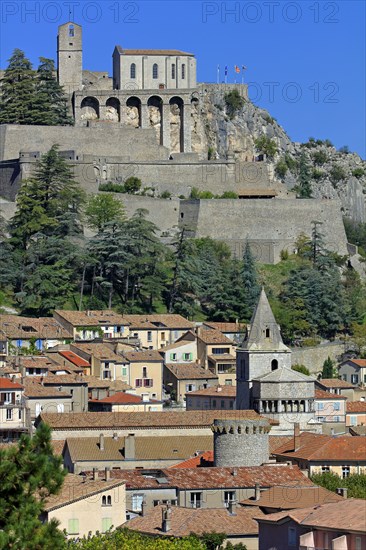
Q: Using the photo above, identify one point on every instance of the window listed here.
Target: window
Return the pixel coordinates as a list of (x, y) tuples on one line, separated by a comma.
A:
[(229, 496), (9, 414), (222, 368), (222, 404), (353, 420), (163, 335), (124, 371), (190, 387), (73, 527), (71, 30), (183, 71), (274, 364), (220, 351), (345, 471), (7, 398), (231, 404), (107, 500), (187, 356), (106, 365), (267, 333), (320, 406), (149, 336), (337, 406), (325, 469), (344, 377), (354, 378), (136, 502), (138, 382), (336, 418), (228, 382), (214, 403), (196, 500), (155, 71), (106, 374), (173, 356), (148, 382), (106, 524), (358, 543), (144, 372), (132, 70), (291, 536), (173, 70), (19, 414)]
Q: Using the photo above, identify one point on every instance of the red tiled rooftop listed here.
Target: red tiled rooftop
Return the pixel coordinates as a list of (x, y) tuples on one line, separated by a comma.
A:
[(358, 362), (207, 457), (7, 384), (356, 407), (75, 359), (334, 383), (215, 391), (122, 398), (321, 394)]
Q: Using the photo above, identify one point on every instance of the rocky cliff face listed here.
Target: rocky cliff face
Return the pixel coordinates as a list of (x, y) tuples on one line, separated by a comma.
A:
[(331, 173)]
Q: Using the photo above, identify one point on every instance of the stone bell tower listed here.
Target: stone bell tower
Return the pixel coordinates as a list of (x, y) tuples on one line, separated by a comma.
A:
[(69, 57), (261, 352)]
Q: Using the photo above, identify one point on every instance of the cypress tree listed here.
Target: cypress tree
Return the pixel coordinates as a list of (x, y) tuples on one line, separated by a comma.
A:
[(250, 287), (17, 91), (51, 102)]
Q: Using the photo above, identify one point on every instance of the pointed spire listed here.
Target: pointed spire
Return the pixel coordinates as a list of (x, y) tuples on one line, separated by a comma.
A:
[(263, 331)]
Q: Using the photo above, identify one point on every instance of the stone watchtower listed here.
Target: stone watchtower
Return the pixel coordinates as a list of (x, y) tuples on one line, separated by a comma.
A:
[(240, 442), (261, 352), (69, 57)]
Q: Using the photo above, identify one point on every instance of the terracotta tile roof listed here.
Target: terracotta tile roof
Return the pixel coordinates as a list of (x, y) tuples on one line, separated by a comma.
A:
[(7, 384), (116, 385), (189, 520), (276, 441), (142, 356), (74, 488), (288, 498), (75, 359), (167, 320), (222, 357), (154, 52), (213, 337), (357, 430), (123, 399), (321, 394), (226, 327), (37, 362), (211, 478), (215, 391), (63, 379), (58, 446), (15, 326), (92, 318), (191, 371), (320, 448), (349, 515), (358, 362), (34, 389), (334, 383), (195, 462), (99, 351), (146, 448), (166, 419), (356, 407)]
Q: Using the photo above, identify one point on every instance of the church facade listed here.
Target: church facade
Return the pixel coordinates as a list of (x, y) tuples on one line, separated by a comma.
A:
[(265, 380)]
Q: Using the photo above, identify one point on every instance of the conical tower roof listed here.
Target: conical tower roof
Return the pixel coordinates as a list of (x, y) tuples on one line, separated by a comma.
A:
[(264, 332)]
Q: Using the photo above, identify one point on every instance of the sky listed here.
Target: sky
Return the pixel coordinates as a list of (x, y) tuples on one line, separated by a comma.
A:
[(305, 60)]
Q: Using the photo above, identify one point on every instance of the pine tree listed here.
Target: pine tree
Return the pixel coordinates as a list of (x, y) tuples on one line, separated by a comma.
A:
[(29, 472), (328, 369), (304, 186), (51, 102), (250, 288), (17, 91)]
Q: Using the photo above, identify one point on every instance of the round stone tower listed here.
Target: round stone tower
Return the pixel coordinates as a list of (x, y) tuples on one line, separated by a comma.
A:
[(240, 442)]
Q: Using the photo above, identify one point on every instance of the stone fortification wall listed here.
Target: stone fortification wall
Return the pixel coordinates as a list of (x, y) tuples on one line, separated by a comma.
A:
[(99, 140), (313, 358), (162, 212), (240, 443), (271, 225), (10, 177)]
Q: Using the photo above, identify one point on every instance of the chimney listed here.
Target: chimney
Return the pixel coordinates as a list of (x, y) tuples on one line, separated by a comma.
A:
[(232, 507), (166, 519), (107, 473), (115, 436), (145, 397), (342, 491), (234, 472), (257, 491), (101, 442), (143, 508), (95, 474), (130, 447), (219, 388), (296, 436)]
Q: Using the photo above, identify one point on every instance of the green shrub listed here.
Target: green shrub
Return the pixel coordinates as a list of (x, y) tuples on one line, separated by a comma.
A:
[(281, 168), (284, 254), (328, 143), (301, 368), (337, 173), (317, 174), (165, 195), (291, 163), (229, 195), (210, 153), (358, 172), (266, 145), (112, 187), (320, 157), (132, 185), (234, 102)]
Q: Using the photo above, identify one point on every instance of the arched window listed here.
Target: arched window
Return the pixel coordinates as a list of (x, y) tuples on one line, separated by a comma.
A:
[(133, 70), (183, 71), (155, 71), (267, 333), (71, 30), (104, 501), (109, 501), (274, 364), (173, 70)]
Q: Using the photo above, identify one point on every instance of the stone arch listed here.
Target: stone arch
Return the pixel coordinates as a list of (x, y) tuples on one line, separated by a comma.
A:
[(133, 111), (113, 109), (155, 108), (176, 124), (89, 108), (274, 364)]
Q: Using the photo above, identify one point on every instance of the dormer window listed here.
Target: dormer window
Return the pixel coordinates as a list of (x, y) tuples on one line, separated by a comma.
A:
[(71, 30)]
